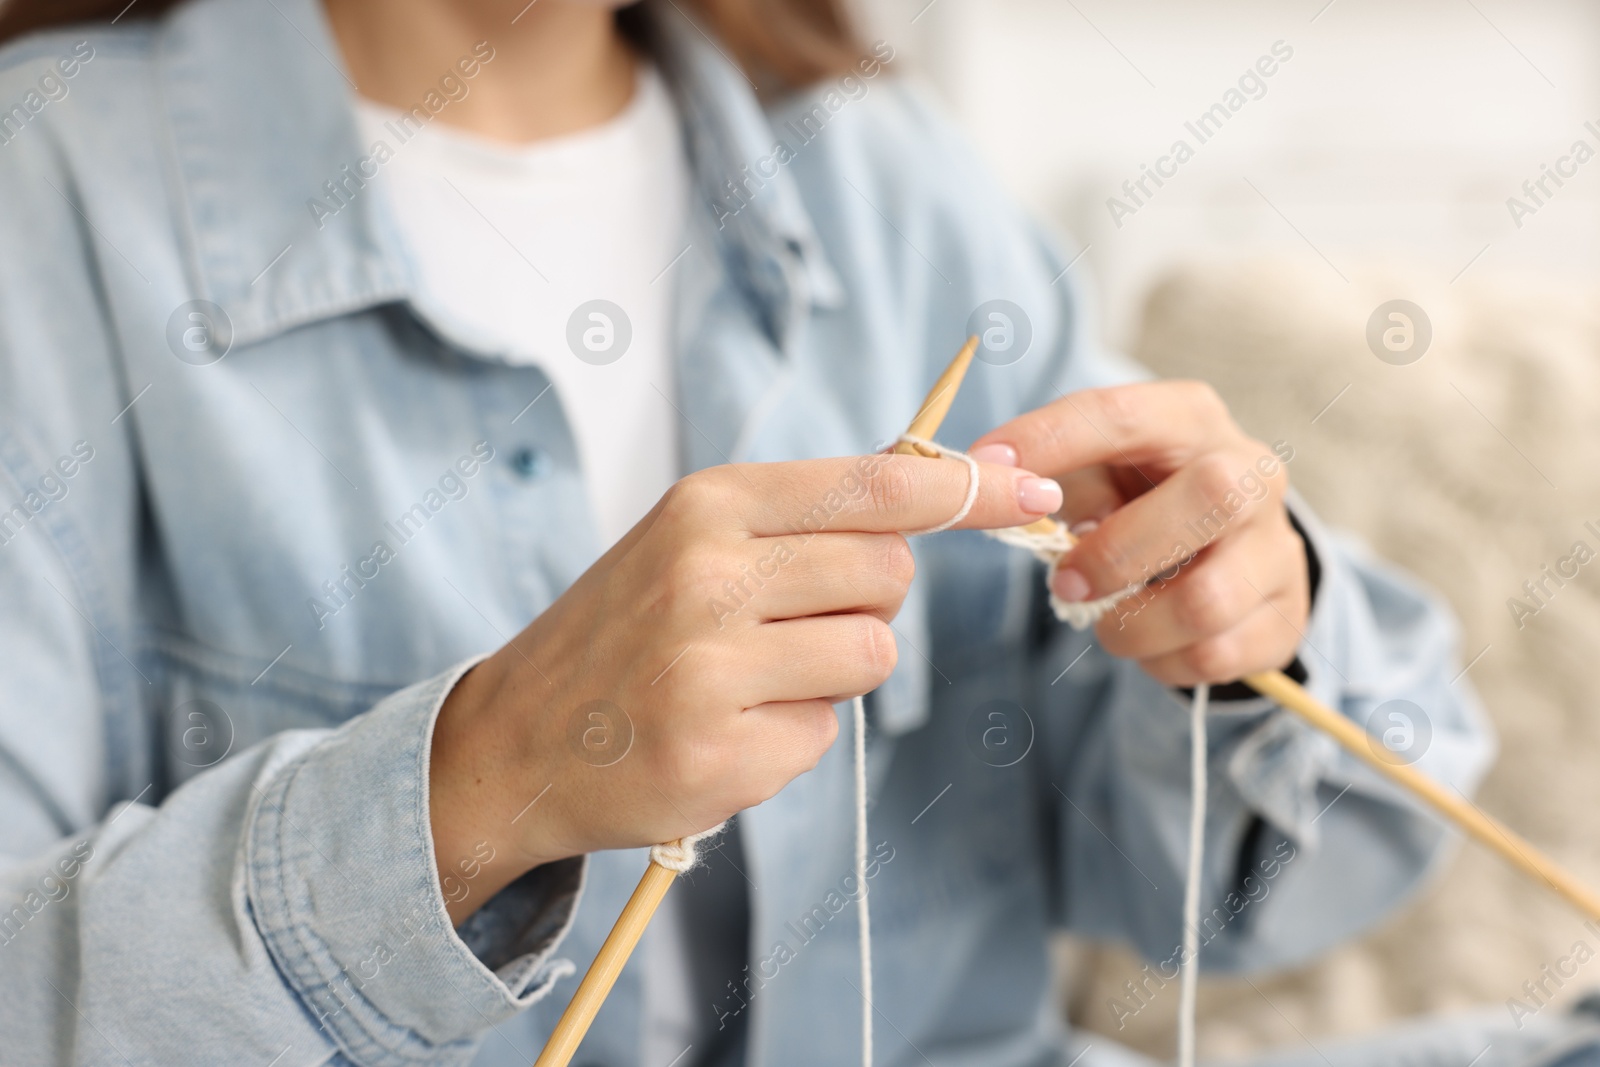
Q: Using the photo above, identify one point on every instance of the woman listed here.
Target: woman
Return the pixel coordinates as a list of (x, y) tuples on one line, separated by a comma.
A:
[(344, 346)]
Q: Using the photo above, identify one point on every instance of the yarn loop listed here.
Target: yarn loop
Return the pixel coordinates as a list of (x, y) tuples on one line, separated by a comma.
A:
[(683, 854)]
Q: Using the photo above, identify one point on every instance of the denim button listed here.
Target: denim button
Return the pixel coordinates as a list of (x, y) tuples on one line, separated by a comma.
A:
[(529, 462)]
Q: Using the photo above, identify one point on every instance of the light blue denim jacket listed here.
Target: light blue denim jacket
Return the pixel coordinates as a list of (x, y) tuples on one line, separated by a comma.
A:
[(213, 797)]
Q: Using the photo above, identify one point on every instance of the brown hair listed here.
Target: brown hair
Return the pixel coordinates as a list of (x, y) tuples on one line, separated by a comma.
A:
[(780, 43), (788, 42)]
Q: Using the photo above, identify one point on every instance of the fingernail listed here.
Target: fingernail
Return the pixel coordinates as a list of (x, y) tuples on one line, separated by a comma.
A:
[(1070, 585), (1038, 496), (1000, 455)]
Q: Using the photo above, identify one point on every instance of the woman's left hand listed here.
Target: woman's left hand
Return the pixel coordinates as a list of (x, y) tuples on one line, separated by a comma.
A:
[(1164, 488)]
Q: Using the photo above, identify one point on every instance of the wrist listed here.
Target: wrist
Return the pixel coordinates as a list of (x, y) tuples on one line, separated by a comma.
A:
[(481, 833)]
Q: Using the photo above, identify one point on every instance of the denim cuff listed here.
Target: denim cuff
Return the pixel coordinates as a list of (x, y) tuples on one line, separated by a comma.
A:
[(344, 890), (1273, 761), (1277, 766)]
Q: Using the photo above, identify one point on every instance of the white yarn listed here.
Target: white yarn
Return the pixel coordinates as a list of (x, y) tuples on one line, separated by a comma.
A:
[(1191, 885), (858, 707), (972, 481), (1081, 617), (681, 855), (1048, 548)]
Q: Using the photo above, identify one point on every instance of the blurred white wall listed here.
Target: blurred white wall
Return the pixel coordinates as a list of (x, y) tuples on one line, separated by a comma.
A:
[(1395, 131)]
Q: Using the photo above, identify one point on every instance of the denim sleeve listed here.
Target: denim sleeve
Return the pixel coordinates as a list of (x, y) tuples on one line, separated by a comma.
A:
[(281, 907), (1305, 845), (339, 873), (283, 901)]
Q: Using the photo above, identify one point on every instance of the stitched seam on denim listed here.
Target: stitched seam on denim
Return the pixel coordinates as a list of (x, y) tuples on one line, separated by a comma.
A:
[(370, 1028), (304, 956), (120, 707)]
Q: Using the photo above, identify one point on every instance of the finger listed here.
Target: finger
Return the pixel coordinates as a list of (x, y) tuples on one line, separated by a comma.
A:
[(1159, 424), (1089, 495), (1211, 498), (782, 739), (828, 657), (741, 761), (799, 574), (1211, 594), (1264, 640), (869, 494)]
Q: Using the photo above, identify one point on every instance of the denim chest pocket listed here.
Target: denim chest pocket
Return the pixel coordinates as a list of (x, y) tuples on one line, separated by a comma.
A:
[(214, 704)]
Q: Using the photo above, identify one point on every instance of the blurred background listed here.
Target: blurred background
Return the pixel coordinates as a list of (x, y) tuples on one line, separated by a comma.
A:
[(1376, 165), (1394, 131)]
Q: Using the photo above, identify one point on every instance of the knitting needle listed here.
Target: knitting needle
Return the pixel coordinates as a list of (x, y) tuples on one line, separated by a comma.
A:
[(641, 907), (937, 406), (607, 965), (1451, 805)]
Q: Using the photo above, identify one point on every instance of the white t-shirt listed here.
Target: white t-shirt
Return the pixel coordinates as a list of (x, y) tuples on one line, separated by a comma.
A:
[(514, 244)]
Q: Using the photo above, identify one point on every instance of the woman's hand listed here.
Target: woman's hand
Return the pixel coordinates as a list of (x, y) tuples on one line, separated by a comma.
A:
[(690, 673), (1165, 488)]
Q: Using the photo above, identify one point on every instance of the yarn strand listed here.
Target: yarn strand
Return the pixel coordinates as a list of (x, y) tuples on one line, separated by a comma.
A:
[(1191, 885), (1049, 548), (682, 855), (972, 481), (859, 709)]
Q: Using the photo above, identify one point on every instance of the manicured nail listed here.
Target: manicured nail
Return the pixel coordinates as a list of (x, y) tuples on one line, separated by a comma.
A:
[(1070, 585), (1000, 455), (1038, 496)]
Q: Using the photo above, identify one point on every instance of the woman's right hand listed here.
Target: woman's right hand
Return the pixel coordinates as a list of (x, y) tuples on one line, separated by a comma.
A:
[(691, 672)]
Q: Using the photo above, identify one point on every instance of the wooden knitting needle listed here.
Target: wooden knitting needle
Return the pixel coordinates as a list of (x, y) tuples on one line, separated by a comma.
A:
[(937, 405), (641, 907), (1452, 805), (607, 965)]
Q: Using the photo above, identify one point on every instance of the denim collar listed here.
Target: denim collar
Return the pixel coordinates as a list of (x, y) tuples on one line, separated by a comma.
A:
[(261, 115)]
